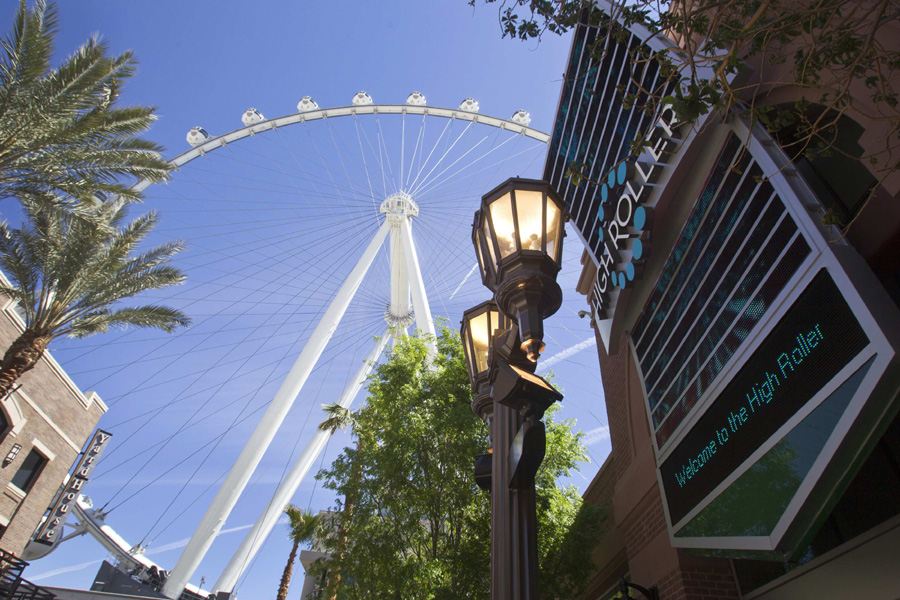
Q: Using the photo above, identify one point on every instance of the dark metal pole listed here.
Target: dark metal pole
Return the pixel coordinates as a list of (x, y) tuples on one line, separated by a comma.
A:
[(504, 425)]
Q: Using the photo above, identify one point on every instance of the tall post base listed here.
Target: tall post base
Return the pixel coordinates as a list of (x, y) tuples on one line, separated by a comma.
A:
[(514, 558), (525, 555)]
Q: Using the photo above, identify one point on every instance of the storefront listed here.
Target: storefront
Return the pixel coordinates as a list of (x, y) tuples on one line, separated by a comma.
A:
[(749, 353)]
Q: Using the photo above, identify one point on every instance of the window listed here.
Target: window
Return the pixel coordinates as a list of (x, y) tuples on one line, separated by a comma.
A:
[(29, 471)]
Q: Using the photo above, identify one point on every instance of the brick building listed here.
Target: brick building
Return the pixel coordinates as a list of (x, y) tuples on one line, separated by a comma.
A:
[(43, 426), (748, 351)]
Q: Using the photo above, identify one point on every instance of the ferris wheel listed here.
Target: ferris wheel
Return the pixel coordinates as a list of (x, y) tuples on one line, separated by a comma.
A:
[(315, 239)]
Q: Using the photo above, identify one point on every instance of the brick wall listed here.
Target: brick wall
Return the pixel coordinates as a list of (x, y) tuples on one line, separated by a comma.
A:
[(51, 415), (699, 583), (646, 527), (639, 514), (614, 374)]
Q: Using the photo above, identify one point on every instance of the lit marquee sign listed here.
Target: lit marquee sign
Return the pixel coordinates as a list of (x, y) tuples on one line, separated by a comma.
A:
[(624, 215), (816, 338), (50, 530)]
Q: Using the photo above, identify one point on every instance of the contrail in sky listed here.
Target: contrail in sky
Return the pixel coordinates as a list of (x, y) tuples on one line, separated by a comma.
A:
[(566, 354), (465, 279), (159, 550)]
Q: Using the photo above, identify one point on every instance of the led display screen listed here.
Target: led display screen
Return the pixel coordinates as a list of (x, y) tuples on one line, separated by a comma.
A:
[(816, 338)]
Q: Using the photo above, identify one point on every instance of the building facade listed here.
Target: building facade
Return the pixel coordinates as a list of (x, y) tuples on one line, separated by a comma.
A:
[(44, 425), (748, 351)]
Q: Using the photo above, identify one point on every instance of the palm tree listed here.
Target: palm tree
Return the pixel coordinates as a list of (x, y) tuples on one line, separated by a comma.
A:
[(69, 274), (303, 525), (61, 139), (339, 417)]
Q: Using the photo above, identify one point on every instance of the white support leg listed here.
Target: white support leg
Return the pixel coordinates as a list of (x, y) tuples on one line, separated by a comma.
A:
[(424, 320), (243, 468), (400, 305), (288, 487)]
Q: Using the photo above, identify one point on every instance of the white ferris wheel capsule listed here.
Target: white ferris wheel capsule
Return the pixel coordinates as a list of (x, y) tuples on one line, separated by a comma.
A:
[(196, 136), (252, 116), (416, 99), (469, 105), (362, 99), (307, 104), (521, 117)]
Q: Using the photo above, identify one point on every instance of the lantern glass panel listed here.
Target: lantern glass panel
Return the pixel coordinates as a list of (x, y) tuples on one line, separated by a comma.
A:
[(504, 225), (480, 331), (489, 240), (554, 223), (530, 214), (481, 264)]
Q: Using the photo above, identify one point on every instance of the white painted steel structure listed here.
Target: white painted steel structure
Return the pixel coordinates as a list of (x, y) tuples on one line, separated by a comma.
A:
[(406, 283), (408, 304), (254, 539)]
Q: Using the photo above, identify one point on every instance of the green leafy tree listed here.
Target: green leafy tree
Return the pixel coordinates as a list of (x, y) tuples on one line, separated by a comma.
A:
[(61, 135), (303, 525), (339, 417), (70, 274), (420, 527), (842, 58)]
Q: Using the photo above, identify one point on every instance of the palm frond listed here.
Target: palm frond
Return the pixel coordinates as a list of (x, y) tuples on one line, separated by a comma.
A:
[(100, 321), (302, 523), (61, 136), (339, 417), (71, 272)]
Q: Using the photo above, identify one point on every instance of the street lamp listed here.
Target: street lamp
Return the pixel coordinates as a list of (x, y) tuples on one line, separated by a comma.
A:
[(518, 235), (479, 326)]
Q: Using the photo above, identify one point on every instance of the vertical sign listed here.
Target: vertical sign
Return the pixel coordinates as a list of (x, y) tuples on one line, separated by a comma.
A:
[(50, 530)]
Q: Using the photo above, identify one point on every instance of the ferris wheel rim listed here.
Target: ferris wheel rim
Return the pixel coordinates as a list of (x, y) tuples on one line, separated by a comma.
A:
[(319, 114)]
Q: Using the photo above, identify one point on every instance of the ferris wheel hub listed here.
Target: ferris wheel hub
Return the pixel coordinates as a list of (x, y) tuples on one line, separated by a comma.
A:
[(398, 207)]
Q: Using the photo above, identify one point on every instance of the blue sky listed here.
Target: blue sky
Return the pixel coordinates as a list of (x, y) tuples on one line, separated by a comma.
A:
[(250, 276)]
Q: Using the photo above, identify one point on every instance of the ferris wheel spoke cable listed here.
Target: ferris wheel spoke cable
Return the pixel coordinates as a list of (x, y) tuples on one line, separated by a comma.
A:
[(372, 330), (365, 163), (217, 364), (422, 166), (239, 418), (254, 329), (436, 183), (267, 186), (239, 315), (265, 167), (324, 164), (236, 317), (378, 157), (193, 376), (471, 174), (218, 441), (447, 147), (426, 185), (382, 146), (441, 159), (420, 136)]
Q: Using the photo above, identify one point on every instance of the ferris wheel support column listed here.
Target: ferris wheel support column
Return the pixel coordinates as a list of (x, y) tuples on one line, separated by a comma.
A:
[(257, 535), (259, 441), (424, 320)]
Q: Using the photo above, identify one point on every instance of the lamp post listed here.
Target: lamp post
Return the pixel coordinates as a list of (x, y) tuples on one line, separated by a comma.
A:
[(517, 235)]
